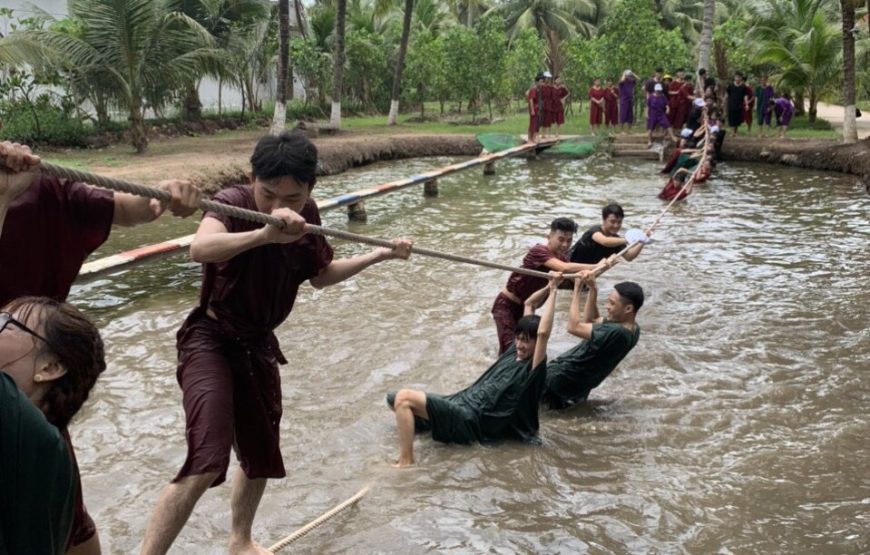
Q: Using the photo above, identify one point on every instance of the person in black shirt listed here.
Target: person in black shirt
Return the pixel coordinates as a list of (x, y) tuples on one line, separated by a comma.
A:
[(737, 101), (603, 241)]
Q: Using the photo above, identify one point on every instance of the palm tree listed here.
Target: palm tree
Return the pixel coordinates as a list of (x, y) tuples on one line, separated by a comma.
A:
[(392, 119), (850, 131), (467, 11), (806, 55), (706, 40), (554, 20), (141, 50), (338, 63), (279, 117), (685, 15)]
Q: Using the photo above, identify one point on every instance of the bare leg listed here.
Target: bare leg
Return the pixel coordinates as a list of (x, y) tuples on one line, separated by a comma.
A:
[(172, 510), (408, 403), (245, 499)]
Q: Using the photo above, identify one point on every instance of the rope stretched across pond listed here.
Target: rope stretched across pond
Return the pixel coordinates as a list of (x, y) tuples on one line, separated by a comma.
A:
[(318, 521)]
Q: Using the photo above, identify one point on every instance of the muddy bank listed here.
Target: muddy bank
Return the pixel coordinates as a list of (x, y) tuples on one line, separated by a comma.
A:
[(811, 154), (342, 152)]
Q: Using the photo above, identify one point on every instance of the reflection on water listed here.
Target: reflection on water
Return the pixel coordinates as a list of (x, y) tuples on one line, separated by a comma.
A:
[(737, 425)]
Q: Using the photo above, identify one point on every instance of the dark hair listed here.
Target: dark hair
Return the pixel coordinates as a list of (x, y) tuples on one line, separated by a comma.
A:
[(739, 74), (631, 292), (679, 70), (563, 224), (659, 70), (614, 209), (539, 77), (528, 325), (76, 344), (702, 71), (288, 154)]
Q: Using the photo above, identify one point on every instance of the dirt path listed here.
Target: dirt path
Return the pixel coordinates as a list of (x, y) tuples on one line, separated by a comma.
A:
[(834, 114)]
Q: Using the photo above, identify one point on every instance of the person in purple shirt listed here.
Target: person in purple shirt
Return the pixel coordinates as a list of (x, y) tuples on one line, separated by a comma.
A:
[(626, 99), (228, 354), (763, 96), (48, 227), (657, 113), (784, 110)]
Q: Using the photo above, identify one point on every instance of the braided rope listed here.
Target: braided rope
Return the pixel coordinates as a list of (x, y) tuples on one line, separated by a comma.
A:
[(318, 521)]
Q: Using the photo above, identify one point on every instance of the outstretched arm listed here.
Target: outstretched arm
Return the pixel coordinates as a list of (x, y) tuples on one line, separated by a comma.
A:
[(340, 270), (131, 210), (545, 327), (535, 300), (578, 325)]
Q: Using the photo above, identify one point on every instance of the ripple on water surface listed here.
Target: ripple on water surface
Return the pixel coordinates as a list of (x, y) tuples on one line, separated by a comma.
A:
[(738, 424)]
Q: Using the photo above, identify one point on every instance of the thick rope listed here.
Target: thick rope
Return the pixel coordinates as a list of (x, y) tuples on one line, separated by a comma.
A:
[(318, 521), (259, 217)]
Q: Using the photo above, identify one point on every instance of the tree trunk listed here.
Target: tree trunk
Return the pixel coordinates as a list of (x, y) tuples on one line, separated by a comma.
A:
[(298, 8), (220, 95), (392, 119), (279, 118), (554, 52), (191, 105), (721, 69), (338, 67), (811, 116), (706, 40), (850, 131), (799, 107), (138, 133)]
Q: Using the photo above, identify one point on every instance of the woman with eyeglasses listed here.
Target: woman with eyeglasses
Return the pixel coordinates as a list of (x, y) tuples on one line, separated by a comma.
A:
[(50, 358)]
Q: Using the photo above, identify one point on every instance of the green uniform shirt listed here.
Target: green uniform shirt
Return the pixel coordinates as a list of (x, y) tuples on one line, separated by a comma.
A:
[(37, 478), (572, 375)]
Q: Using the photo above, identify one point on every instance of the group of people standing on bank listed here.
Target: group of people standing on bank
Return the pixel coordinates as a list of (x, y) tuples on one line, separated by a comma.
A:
[(546, 101), (51, 354), (668, 102)]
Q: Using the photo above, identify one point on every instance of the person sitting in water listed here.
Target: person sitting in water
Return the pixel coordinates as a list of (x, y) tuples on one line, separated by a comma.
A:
[(50, 357), (501, 404), (601, 241), (576, 372), (507, 308)]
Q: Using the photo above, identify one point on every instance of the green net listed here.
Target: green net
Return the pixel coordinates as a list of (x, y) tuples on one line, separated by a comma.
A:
[(571, 145)]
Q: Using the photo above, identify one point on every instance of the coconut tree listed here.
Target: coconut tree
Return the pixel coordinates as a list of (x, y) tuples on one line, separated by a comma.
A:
[(143, 49), (554, 20), (706, 40), (850, 131), (338, 63), (685, 15), (807, 58), (279, 117), (392, 118)]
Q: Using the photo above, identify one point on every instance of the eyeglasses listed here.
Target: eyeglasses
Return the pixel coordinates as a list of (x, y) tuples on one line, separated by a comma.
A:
[(6, 320)]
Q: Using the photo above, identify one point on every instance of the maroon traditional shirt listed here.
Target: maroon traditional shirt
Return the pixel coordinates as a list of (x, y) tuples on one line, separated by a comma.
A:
[(524, 286), (50, 230), (253, 292)]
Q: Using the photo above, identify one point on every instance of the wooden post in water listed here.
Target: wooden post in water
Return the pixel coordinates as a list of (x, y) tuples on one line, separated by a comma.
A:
[(356, 212), (489, 168), (430, 188)]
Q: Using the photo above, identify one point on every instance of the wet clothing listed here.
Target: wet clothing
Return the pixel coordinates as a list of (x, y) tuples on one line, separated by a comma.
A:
[(507, 313), (626, 100), (574, 373), (536, 114), (656, 112), (228, 365), (673, 189), (737, 95), (596, 111), (695, 118), (37, 478), (50, 229), (502, 404), (763, 96), (587, 251)]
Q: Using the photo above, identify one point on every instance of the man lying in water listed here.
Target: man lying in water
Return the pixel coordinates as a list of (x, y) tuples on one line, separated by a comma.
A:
[(574, 373), (501, 404)]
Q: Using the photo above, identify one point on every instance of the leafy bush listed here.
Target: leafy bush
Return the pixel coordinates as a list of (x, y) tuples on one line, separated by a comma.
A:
[(41, 122)]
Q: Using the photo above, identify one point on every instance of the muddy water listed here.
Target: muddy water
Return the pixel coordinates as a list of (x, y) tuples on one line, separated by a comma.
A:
[(739, 423)]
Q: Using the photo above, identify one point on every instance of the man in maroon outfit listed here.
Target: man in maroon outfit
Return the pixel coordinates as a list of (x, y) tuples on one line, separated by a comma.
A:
[(509, 303), (48, 227), (228, 354)]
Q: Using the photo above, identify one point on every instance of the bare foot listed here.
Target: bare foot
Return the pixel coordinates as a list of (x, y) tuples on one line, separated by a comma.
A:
[(403, 463), (249, 547)]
